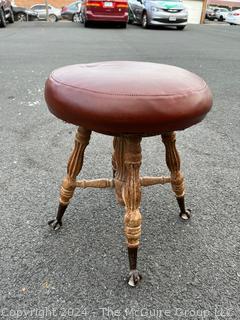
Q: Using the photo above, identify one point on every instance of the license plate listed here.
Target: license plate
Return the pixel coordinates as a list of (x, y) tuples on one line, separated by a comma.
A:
[(172, 18), (108, 4)]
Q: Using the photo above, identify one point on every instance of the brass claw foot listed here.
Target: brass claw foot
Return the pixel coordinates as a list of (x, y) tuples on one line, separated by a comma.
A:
[(134, 278), (185, 215), (55, 224), (69, 182)]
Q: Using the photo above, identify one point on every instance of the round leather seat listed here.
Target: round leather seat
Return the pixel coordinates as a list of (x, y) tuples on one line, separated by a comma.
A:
[(126, 97)]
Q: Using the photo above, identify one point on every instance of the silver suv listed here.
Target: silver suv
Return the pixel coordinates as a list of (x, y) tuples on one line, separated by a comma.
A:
[(6, 13)]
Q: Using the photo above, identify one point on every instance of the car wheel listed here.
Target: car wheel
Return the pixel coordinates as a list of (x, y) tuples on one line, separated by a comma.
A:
[(75, 18), (221, 18), (3, 22), (11, 17), (52, 18), (145, 23), (180, 27), (21, 16)]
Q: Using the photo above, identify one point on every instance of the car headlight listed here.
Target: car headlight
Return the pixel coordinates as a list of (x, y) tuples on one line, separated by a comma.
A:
[(185, 11), (154, 9), (29, 12)]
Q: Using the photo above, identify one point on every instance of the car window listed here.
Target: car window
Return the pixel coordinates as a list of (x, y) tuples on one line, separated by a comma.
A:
[(38, 7), (73, 6)]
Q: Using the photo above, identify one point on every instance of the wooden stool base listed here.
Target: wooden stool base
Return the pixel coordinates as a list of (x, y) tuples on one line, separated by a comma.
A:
[(126, 162)]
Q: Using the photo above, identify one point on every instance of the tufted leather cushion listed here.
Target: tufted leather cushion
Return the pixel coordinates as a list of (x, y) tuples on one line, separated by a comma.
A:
[(126, 97)]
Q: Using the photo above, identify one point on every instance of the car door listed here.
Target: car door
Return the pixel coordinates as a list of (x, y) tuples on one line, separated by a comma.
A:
[(72, 9), (42, 11)]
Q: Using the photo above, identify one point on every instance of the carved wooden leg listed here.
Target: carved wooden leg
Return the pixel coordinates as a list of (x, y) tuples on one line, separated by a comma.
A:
[(177, 178), (132, 198), (74, 167), (120, 169)]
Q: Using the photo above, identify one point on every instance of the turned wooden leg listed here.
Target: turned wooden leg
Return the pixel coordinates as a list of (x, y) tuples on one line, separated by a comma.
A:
[(177, 178), (132, 197), (119, 168), (114, 166), (69, 182)]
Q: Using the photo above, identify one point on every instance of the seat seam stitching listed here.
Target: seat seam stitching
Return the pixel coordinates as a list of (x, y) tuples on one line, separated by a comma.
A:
[(129, 95)]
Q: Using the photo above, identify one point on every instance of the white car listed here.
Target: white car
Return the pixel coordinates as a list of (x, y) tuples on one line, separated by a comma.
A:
[(233, 17), (54, 14), (221, 14)]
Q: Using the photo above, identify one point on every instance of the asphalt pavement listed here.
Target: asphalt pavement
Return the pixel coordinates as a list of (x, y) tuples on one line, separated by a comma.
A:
[(190, 270)]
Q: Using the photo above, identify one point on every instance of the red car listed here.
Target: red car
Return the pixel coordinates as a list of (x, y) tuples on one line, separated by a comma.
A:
[(105, 11)]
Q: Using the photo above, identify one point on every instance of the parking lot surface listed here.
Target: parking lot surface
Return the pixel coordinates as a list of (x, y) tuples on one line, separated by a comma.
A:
[(190, 270)]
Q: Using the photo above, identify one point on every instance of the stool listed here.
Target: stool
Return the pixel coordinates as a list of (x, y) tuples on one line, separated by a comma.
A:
[(127, 100)]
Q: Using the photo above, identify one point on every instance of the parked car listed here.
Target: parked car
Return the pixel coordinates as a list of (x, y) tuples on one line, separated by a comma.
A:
[(54, 14), (24, 14), (233, 17), (104, 11), (6, 13), (210, 13), (221, 14), (159, 13), (71, 12)]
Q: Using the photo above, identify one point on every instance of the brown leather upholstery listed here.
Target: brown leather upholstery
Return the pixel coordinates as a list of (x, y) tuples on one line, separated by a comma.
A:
[(126, 97)]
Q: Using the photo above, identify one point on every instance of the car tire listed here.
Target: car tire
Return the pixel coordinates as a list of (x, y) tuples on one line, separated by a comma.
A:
[(180, 27), (75, 18), (130, 17), (86, 23), (21, 16), (123, 25), (221, 18), (3, 22), (11, 18), (144, 21), (52, 18)]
